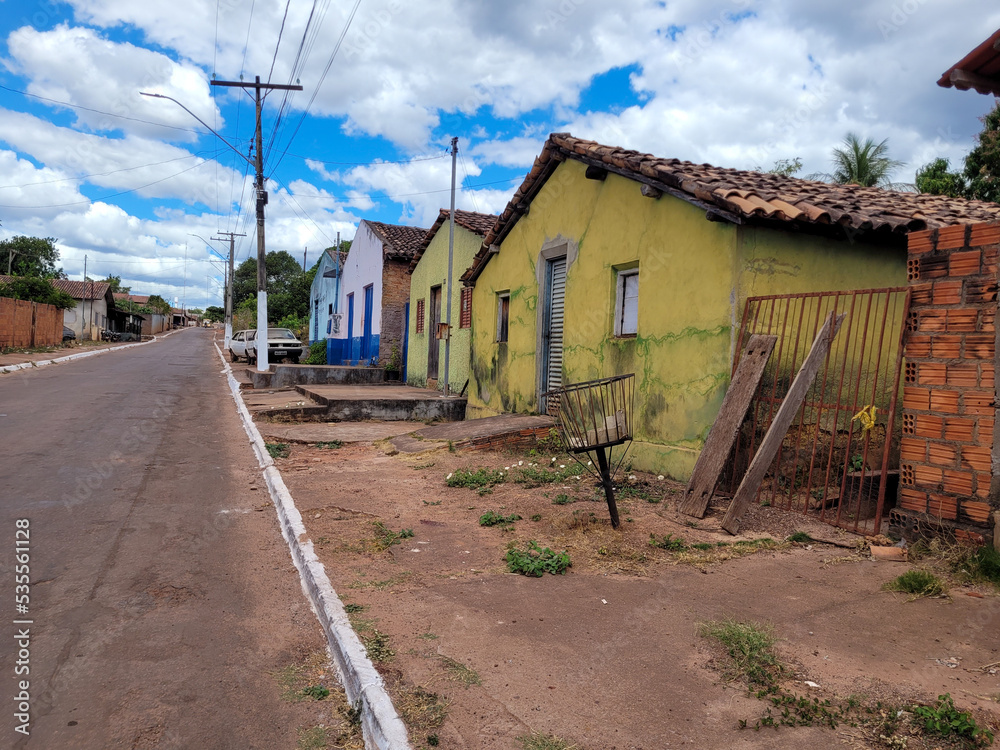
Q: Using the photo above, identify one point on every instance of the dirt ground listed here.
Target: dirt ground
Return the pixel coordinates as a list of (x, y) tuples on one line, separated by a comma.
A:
[(608, 656)]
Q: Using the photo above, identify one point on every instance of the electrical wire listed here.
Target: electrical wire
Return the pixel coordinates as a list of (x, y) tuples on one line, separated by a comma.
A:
[(471, 193), (277, 46), (103, 174), (101, 112)]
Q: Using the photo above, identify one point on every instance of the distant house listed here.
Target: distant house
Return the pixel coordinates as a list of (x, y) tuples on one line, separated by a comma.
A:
[(428, 300), (374, 290), (979, 70), (324, 294), (94, 303), (151, 323), (608, 261)]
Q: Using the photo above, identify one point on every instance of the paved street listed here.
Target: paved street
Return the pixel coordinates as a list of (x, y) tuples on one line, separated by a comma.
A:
[(162, 596)]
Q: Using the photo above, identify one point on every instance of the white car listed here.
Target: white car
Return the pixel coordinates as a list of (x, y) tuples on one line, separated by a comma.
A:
[(238, 346), (281, 343)]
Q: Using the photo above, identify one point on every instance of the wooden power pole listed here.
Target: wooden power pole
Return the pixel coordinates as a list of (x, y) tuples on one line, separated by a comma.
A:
[(229, 284)]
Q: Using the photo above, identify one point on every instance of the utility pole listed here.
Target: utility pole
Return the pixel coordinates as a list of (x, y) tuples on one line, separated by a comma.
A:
[(262, 364), (86, 320), (305, 254), (451, 256), (229, 283)]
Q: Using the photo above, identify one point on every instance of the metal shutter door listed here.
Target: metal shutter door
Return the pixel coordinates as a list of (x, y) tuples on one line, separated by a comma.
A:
[(556, 300)]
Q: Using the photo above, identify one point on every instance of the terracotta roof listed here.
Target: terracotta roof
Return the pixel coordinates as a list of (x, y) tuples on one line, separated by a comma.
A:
[(475, 222), (139, 299), (398, 242), (742, 197), (979, 70), (82, 289)]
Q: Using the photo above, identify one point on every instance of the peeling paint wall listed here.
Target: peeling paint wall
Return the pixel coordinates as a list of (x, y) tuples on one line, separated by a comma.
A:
[(432, 270), (694, 276)]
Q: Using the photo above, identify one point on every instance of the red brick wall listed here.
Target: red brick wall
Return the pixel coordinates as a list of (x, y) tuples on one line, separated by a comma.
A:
[(949, 391), (395, 295), (28, 324)]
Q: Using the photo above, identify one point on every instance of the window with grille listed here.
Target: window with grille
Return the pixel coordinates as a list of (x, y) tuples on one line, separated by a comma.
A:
[(420, 316), (465, 314)]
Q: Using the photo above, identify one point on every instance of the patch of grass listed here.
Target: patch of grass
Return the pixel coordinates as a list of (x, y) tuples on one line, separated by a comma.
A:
[(492, 518), (422, 710), (383, 584), (428, 636), (480, 479), (313, 738), (330, 444), (944, 720), (536, 476), (668, 542), (277, 450), (386, 537), (967, 562), (295, 679), (536, 517), (539, 741), (316, 692), (353, 609), (917, 583), (562, 499), (377, 645), (799, 537), (536, 561), (722, 551), (750, 647), (460, 672)]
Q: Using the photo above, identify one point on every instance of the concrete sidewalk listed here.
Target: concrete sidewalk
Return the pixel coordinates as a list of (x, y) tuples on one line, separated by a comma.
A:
[(50, 353)]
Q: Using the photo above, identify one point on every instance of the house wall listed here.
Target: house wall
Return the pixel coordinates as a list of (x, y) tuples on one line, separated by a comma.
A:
[(431, 271), (395, 295), (95, 310), (362, 267), (949, 439), (153, 324), (324, 291), (694, 276)]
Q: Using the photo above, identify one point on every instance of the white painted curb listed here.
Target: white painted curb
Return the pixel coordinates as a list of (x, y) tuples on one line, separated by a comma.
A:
[(79, 355), (382, 727)]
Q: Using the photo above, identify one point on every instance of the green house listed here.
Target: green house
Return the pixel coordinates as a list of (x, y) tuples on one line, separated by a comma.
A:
[(429, 301), (608, 261)]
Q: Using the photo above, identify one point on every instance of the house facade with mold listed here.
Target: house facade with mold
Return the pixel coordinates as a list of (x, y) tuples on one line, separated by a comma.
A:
[(647, 263)]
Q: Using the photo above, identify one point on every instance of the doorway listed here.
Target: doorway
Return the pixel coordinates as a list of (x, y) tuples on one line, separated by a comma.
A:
[(433, 342), (552, 328)]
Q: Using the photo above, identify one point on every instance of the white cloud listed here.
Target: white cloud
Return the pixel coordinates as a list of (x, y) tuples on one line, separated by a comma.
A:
[(77, 66)]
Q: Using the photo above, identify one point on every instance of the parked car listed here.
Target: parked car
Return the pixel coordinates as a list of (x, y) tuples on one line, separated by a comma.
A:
[(68, 334), (281, 343), (238, 346)]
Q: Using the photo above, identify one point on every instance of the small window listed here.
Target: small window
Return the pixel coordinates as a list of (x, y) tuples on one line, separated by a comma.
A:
[(627, 303), (420, 316), (503, 315), (465, 314), (330, 306)]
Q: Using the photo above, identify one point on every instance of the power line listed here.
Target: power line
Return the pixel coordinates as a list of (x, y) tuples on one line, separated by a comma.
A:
[(375, 163), (103, 174), (101, 112), (277, 46)]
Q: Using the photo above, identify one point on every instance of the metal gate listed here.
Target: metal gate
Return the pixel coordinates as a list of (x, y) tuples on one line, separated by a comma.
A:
[(839, 461)]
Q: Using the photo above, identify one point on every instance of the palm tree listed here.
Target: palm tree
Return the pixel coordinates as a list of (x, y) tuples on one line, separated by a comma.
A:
[(864, 163)]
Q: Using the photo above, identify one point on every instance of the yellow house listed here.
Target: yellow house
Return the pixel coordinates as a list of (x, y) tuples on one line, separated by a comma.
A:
[(425, 357), (608, 261)]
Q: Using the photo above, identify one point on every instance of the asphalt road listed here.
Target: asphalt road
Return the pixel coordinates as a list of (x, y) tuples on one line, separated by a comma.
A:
[(162, 597)]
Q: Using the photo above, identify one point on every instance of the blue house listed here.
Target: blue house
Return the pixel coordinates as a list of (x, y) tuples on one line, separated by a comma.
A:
[(369, 307), (324, 308)]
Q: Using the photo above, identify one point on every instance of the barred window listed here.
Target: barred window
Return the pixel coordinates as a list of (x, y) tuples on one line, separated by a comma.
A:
[(420, 316), (465, 314)]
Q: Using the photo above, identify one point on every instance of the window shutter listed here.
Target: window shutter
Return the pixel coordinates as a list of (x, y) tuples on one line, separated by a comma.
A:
[(465, 316), (420, 316)]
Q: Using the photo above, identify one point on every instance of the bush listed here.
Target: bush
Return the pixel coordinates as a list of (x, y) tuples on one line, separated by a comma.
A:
[(535, 561), (36, 290), (317, 353)]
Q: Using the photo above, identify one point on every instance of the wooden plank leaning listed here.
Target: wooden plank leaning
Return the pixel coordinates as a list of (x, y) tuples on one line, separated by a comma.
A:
[(782, 421), (726, 427)]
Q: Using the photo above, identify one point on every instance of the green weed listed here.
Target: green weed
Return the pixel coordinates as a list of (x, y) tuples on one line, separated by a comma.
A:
[(461, 672), (918, 583), (800, 537), (330, 444), (316, 692), (277, 450), (480, 479), (377, 646), (944, 720), (750, 647), (668, 542), (562, 500), (539, 741), (536, 561), (492, 518), (536, 476), (536, 517), (313, 738), (386, 537)]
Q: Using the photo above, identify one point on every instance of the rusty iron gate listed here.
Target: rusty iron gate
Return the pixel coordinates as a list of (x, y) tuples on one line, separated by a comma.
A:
[(839, 461)]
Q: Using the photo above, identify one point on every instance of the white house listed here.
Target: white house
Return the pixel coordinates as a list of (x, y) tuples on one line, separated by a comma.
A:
[(374, 290), (325, 306), (94, 303)]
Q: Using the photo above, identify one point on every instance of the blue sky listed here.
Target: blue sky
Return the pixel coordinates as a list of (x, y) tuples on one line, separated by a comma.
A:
[(128, 181)]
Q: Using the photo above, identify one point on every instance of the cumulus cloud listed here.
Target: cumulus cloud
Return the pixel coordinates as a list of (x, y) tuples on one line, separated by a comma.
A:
[(76, 65)]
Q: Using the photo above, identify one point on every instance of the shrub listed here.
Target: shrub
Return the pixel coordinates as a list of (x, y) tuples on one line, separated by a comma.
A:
[(317, 353), (536, 561)]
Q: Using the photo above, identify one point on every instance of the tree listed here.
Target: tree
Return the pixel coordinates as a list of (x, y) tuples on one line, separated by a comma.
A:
[(34, 289), (215, 314), (937, 179), (287, 285), (31, 256), (784, 167), (982, 165), (158, 305), (864, 163), (115, 282)]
